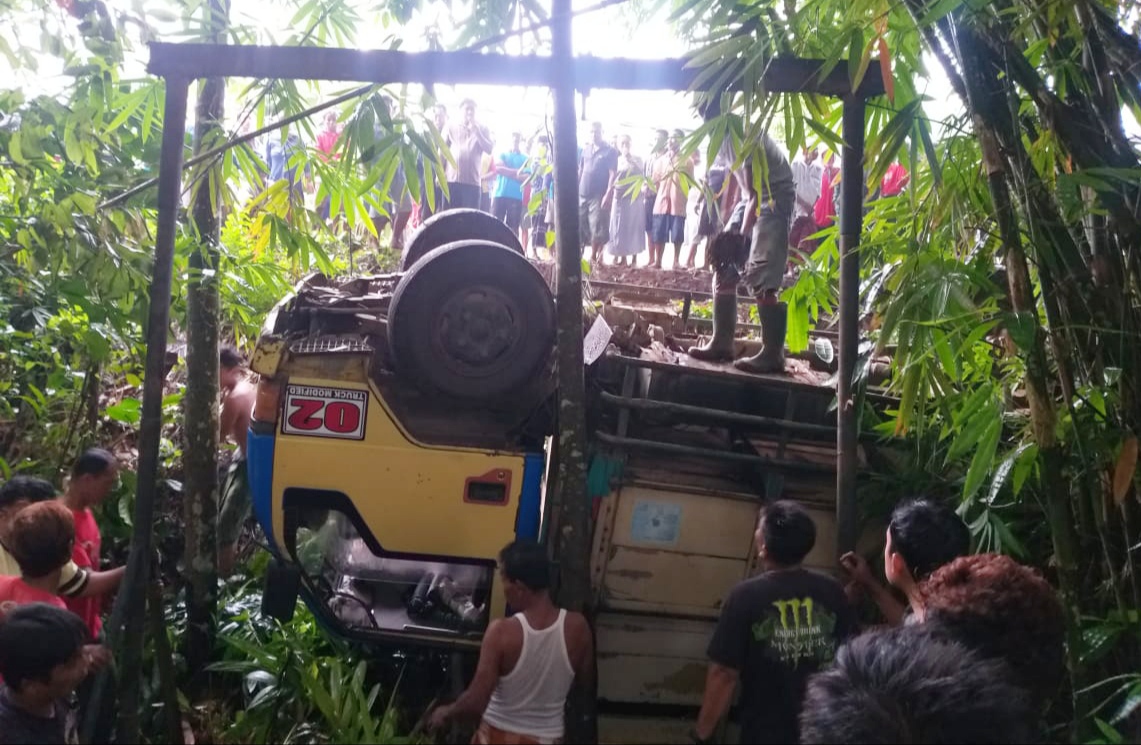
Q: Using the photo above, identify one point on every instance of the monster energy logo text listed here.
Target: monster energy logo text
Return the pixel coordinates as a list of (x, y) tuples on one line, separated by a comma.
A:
[(800, 632)]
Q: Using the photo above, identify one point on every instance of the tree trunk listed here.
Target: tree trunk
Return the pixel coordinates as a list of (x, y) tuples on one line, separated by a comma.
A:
[(573, 522), (200, 401), (1005, 159)]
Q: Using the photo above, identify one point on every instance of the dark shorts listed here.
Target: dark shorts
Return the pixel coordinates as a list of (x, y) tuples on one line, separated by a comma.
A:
[(651, 197), (768, 251), (462, 196), (594, 221), (802, 227), (668, 229), (485, 201), (508, 210), (709, 222), (235, 503)]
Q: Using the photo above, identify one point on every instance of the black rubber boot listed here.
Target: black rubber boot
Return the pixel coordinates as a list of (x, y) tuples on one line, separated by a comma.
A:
[(720, 347), (774, 324)]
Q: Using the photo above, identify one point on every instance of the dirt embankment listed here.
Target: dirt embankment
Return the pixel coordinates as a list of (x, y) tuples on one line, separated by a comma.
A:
[(682, 280)]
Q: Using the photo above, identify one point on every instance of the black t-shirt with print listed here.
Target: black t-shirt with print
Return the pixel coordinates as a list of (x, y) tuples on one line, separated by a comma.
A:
[(777, 629)]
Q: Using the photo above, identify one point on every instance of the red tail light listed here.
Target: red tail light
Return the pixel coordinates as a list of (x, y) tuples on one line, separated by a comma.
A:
[(267, 406)]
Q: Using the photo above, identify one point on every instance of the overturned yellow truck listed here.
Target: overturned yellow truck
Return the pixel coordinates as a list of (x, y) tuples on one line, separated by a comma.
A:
[(402, 436)]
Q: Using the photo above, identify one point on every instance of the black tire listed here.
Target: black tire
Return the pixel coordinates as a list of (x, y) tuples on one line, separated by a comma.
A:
[(471, 320), (450, 226)]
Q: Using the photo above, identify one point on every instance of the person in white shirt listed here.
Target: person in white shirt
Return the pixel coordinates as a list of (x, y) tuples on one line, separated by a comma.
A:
[(528, 662), (807, 173)]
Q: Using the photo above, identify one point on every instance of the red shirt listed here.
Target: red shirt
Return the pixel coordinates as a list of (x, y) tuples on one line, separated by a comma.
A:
[(894, 180), (327, 141), (15, 591), (88, 542)]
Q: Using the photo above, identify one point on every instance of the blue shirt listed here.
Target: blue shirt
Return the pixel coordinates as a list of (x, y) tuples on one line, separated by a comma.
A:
[(505, 186), (277, 157)]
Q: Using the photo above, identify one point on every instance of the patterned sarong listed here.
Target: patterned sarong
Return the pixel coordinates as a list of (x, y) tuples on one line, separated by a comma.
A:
[(488, 735)]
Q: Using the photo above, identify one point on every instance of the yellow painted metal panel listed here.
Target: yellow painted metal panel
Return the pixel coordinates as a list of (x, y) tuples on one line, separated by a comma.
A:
[(630, 730), (823, 554), (643, 659), (668, 581), (708, 525), (650, 679), (410, 496), (621, 633)]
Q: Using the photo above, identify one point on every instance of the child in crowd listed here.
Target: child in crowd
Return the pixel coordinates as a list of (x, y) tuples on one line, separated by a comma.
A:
[(40, 539), (42, 661), (92, 477), (16, 494)]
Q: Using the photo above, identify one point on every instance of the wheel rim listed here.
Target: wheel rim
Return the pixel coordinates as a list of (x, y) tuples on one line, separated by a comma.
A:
[(476, 329)]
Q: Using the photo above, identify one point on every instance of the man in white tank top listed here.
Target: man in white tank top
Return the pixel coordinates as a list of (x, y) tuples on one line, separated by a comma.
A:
[(528, 662)]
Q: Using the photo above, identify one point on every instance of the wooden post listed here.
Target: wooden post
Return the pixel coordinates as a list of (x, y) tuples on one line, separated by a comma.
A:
[(573, 534), (847, 416), (128, 619), (200, 402)]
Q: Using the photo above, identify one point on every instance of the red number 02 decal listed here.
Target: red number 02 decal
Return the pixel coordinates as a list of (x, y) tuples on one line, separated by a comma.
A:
[(304, 417), (342, 417)]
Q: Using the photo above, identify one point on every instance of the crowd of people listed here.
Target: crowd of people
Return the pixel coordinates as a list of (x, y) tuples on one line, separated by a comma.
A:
[(974, 655), (967, 648), (630, 205), (52, 594)]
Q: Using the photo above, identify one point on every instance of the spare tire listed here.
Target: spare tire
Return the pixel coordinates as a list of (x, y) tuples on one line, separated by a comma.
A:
[(450, 226), (472, 319)]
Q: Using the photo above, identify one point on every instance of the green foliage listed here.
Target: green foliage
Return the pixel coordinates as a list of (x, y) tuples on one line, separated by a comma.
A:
[(298, 685)]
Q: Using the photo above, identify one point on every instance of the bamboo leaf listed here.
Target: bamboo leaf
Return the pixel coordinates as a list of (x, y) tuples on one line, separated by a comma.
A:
[(859, 56), (1129, 705), (1025, 465), (1022, 327), (939, 10), (885, 70), (1124, 470), (983, 458)]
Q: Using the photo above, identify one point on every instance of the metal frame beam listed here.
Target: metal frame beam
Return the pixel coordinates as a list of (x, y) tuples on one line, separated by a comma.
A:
[(181, 63), (782, 75)]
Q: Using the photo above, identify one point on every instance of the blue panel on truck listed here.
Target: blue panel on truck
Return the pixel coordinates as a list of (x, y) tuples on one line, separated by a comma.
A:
[(259, 454), (530, 498)]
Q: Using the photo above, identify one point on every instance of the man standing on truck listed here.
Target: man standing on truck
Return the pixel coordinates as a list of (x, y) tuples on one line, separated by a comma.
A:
[(768, 195), (238, 397), (775, 630), (528, 662)]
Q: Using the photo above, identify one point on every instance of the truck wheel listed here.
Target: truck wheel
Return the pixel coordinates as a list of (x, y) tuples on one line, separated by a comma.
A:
[(471, 319), (450, 226)]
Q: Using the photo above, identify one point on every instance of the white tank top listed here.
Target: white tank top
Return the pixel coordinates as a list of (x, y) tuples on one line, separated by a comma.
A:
[(530, 699)]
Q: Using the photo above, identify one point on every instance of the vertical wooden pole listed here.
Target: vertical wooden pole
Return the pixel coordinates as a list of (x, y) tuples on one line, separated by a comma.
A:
[(573, 533), (200, 402), (847, 417), (129, 614)]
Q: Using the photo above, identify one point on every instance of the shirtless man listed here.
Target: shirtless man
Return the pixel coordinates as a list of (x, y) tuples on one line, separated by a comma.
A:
[(527, 662), (238, 396)]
